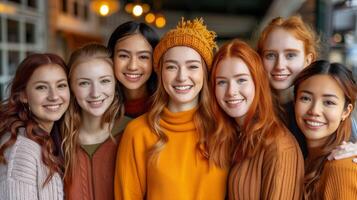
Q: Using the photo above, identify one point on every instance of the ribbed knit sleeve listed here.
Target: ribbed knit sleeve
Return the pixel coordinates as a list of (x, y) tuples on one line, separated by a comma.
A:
[(339, 180), (276, 172), (130, 173), (23, 176), (283, 171)]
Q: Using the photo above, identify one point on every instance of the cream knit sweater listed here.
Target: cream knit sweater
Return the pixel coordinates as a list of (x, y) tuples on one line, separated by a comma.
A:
[(24, 174)]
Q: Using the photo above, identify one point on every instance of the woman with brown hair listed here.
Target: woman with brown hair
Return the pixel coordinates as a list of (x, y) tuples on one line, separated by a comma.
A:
[(179, 149), (323, 113), (268, 163), (30, 160)]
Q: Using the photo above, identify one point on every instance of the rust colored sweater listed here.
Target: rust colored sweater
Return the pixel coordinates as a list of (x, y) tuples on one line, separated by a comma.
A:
[(338, 180), (94, 178), (276, 173)]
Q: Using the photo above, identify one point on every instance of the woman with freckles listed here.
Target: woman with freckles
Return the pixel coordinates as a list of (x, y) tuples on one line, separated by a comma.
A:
[(286, 47), (267, 162), (30, 153), (179, 150), (89, 144)]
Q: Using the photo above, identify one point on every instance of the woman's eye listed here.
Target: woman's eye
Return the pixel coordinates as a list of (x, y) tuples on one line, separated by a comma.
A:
[(304, 98), (105, 81), (63, 85), (329, 103), (40, 87), (221, 82), (193, 67), (241, 80), (270, 56), (170, 67), (123, 56), (291, 55), (83, 83), (144, 57)]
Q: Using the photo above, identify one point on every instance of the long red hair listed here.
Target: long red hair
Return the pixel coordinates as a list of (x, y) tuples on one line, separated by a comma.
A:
[(260, 124), (14, 114)]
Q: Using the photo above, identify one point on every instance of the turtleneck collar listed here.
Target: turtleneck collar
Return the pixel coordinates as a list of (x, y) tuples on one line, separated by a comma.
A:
[(178, 121), (137, 107)]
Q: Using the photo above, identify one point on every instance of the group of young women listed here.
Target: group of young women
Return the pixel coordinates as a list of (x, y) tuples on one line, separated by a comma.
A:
[(145, 118)]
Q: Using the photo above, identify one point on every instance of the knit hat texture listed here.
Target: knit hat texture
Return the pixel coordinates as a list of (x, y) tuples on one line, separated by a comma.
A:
[(188, 33)]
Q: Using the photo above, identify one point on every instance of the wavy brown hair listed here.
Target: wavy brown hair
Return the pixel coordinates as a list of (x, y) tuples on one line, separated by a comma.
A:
[(260, 124), (215, 139), (72, 118), (314, 165), (15, 114)]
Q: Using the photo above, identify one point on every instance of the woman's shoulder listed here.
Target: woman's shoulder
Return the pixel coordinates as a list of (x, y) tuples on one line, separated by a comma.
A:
[(137, 128), (341, 166), (283, 143)]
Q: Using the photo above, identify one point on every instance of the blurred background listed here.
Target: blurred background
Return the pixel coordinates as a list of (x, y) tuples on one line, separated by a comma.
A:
[(60, 26)]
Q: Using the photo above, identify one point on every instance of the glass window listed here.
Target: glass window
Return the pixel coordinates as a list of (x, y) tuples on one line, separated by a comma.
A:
[(30, 33), (14, 60), (75, 9), (32, 3), (2, 91), (64, 6), (13, 31), (0, 29), (1, 65), (85, 12)]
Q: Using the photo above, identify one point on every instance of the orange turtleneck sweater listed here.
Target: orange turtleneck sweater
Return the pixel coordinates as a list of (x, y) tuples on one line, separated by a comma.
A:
[(181, 172), (338, 179)]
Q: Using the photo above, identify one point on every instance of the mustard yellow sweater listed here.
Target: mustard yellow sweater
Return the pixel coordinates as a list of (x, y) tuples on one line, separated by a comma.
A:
[(338, 180), (181, 172)]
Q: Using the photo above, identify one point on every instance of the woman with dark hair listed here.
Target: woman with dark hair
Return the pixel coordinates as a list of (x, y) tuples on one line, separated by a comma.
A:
[(131, 45), (268, 163), (325, 94), (30, 166)]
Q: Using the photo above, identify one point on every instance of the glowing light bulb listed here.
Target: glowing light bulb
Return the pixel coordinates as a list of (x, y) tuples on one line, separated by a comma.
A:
[(150, 18), (137, 10), (160, 22), (104, 9)]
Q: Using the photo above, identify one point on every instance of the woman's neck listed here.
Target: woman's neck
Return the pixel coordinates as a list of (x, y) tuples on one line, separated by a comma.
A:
[(136, 94), (91, 132), (286, 95)]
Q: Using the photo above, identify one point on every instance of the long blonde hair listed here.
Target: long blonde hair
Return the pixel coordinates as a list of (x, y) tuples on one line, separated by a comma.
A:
[(72, 117), (215, 140)]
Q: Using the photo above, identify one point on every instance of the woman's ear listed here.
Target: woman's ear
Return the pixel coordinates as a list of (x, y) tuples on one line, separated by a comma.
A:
[(23, 97), (308, 59), (346, 112)]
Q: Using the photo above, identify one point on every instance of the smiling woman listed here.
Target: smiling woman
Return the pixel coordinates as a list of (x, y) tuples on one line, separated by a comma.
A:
[(30, 163), (179, 149), (323, 113), (89, 144), (267, 163)]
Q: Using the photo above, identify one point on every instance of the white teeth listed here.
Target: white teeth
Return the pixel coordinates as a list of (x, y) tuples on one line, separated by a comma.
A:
[(235, 101), (280, 76), (133, 75), (53, 107), (182, 87), (96, 102), (313, 123)]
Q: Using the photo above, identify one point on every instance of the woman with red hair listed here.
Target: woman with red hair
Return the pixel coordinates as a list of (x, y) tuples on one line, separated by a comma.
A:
[(30, 156), (268, 163)]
